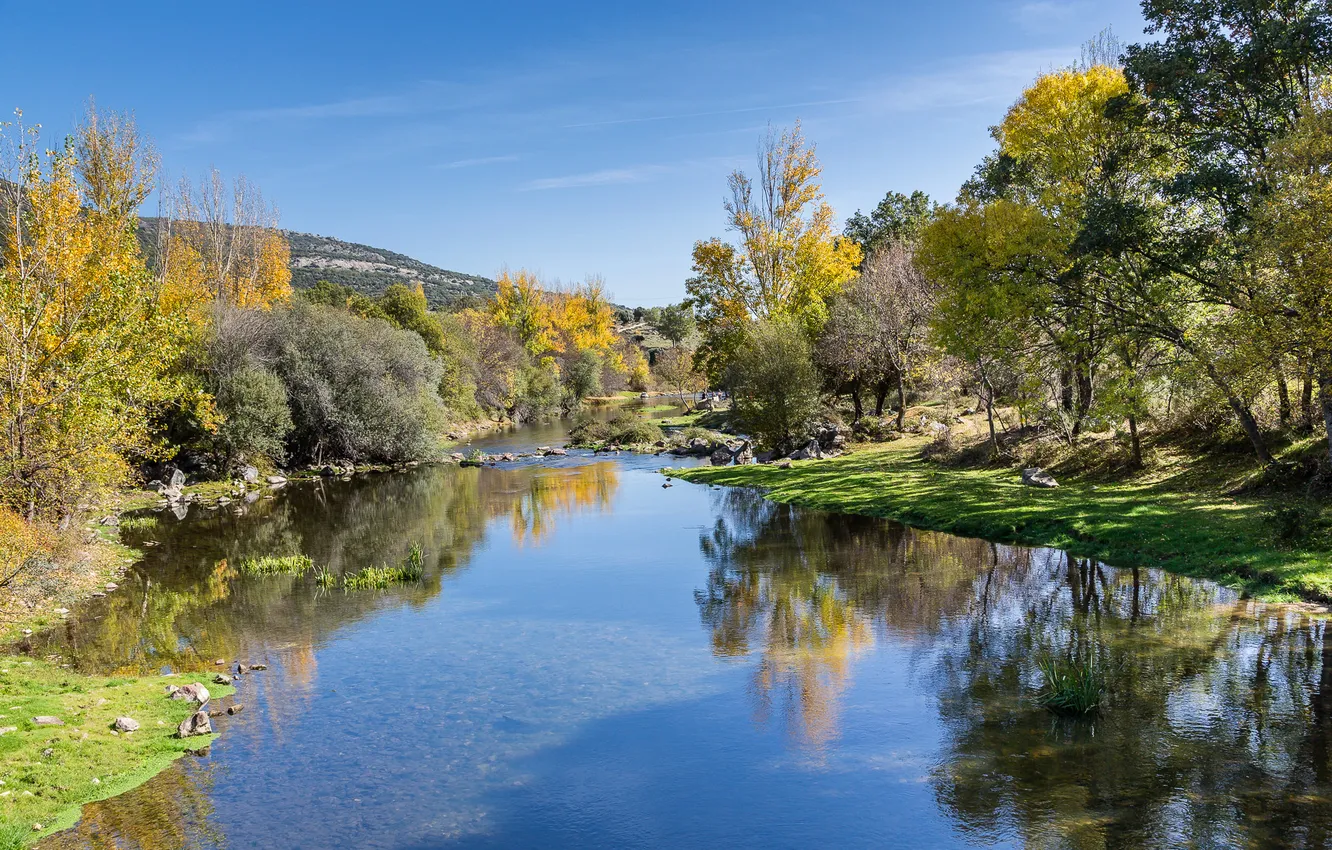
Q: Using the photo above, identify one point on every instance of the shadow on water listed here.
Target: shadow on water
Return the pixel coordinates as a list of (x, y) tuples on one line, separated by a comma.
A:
[(853, 682)]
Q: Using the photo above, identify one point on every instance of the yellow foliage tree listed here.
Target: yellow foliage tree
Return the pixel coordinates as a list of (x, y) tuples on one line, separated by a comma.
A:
[(225, 239), (787, 260), (523, 306), (86, 338)]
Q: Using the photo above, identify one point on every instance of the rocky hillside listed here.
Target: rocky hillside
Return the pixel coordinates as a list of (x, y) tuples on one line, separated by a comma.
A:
[(372, 270), (366, 269)]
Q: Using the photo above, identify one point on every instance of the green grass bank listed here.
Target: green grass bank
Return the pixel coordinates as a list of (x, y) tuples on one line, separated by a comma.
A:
[(1184, 516), (50, 772)]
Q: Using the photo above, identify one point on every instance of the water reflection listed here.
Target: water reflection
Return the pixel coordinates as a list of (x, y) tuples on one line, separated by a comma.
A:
[(184, 606), (1217, 727)]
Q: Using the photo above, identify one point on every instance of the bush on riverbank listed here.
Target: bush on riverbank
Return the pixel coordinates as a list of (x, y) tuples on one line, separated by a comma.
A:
[(626, 429)]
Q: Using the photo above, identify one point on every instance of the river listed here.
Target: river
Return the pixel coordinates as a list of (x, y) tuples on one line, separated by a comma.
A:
[(595, 660)]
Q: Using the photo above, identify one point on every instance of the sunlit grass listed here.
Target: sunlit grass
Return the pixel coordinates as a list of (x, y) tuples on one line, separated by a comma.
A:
[(273, 565), (1185, 519)]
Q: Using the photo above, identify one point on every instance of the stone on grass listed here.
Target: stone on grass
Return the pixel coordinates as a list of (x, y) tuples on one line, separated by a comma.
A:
[(126, 724), (194, 692), (1037, 477), (47, 720), (196, 724), (221, 679)]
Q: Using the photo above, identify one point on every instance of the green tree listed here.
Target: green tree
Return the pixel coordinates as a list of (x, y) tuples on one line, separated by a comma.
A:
[(675, 322), (774, 383), (897, 218)]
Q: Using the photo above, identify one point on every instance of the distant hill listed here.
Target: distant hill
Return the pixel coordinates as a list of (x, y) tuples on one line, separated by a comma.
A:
[(372, 270), (366, 269)]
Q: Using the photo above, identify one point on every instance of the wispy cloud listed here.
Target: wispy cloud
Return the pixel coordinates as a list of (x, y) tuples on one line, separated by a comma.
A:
[(619, 176), (479, 161), (967, 81), (685, 115)]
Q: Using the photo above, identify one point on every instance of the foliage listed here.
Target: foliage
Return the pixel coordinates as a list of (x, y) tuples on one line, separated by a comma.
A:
[(774, 383), (675, 322), (898, 218), (256, 419), (89, 333), (675, 370), (787, 260), (581, 378), (410, 571), (626, 429)]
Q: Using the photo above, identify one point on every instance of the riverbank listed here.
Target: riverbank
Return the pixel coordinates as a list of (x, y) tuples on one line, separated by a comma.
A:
[(49, 772), (1183, 518)]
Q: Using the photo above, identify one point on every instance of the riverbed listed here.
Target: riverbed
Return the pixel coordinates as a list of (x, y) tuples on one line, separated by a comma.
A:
[(597, 660)]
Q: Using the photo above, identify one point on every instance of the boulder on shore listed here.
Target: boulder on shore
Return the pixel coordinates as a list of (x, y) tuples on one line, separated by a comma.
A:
[(196, 724), (1037, 477), (195, 692)]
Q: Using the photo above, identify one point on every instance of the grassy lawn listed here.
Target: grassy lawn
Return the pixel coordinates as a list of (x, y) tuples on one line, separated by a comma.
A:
[(49, 772), (1178, 517)]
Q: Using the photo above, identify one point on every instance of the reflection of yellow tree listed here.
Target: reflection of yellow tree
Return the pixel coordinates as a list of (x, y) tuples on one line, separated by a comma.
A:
[(809, 639), (540, 498), (807, 589)]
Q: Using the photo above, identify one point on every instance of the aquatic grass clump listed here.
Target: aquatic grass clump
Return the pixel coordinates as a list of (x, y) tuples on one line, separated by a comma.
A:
[(274, 565), (1072, 688), (138, 523), (410, 571)]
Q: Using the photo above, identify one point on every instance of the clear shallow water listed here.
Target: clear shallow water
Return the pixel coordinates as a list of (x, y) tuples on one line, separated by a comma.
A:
[(596, 661)]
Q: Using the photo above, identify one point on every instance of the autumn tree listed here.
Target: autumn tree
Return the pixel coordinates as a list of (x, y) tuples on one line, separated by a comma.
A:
[(86, 339), (786, 260), (224, 239), (675, 368)]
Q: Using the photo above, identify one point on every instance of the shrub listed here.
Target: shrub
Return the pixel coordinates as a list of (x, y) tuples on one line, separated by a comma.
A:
[(356, 389), (775, 384), (253, 403), (1072, 687), (1294, 521), (625, 429), (582, 378)]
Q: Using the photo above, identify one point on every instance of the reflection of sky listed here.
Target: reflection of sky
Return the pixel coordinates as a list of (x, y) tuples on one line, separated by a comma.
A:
[(561, 691)]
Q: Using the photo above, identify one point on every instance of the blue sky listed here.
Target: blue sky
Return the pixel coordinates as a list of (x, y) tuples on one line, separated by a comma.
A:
[(571, 138)]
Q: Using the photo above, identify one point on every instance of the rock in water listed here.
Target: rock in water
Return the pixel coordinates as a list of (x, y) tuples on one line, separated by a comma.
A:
[(250, 475), (126, 724), (722, 457), (1037, 477), (237, 708), (221, 679), (194, 693), (196, 724)]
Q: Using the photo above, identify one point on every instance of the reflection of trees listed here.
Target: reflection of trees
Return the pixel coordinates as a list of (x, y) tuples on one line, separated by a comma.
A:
[(169, 812), (803, 590), (183, 607), (1219, 724)]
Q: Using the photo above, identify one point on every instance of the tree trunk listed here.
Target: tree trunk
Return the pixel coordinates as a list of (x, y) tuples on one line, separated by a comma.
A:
[(855, 400), (1306, 397), (1066, 390), (1242, 413), (1283, 399), (1137, 440), (880, 396), (989, 417), (1325, 400), (901, 402), (1083, 385)]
